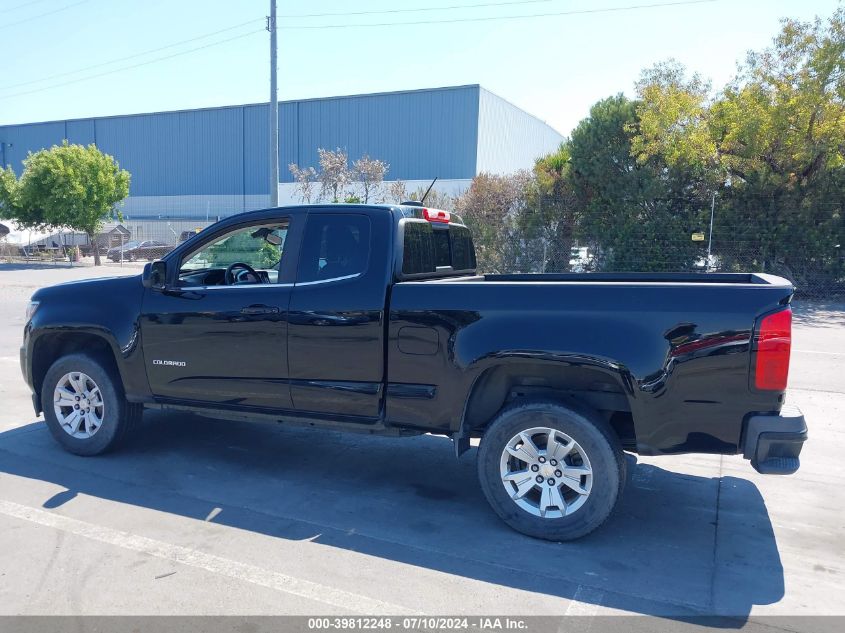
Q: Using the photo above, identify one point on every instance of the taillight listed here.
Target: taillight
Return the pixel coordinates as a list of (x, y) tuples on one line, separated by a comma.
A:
[(436, 215), (774, 340)]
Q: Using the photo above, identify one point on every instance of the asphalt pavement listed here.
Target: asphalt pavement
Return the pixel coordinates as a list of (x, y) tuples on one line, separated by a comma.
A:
[(202, 516)]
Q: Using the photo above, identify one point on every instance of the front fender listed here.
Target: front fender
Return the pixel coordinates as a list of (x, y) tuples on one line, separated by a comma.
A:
[(100, 314)]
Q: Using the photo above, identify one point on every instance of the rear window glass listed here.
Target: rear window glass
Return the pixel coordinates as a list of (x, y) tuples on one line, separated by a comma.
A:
[(418, 254), (426, 248), (463, 251), (442, 255)]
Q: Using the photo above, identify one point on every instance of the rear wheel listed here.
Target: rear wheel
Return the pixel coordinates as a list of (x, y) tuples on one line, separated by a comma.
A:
[(84, 405), (551, 471)]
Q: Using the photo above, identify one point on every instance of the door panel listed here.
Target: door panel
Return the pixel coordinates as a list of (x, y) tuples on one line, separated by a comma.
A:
[(336, 320), (336, 358), (224, 345)]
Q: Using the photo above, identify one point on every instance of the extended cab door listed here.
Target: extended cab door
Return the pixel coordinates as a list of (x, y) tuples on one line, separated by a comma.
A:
[(218, 334), (337, 312)]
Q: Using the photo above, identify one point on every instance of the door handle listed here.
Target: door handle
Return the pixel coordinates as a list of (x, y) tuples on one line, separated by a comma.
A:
[(260, 309)]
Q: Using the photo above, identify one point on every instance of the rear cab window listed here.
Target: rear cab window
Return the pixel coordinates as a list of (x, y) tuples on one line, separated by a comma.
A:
[(435, 248)]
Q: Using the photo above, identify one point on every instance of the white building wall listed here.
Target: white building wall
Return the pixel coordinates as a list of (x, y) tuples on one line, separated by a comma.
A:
[(288, 193), (509, 139), (195, 206)]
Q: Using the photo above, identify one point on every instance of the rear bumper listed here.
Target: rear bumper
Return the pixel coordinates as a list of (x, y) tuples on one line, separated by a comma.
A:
[(773, 442)]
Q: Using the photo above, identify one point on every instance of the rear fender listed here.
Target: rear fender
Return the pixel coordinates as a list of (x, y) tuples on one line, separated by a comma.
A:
[(586, 382)]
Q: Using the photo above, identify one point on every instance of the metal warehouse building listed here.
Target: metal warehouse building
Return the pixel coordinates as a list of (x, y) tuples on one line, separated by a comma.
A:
[(215, 161)]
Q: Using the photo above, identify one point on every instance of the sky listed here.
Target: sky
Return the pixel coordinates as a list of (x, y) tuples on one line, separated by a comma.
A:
[(63, 59)]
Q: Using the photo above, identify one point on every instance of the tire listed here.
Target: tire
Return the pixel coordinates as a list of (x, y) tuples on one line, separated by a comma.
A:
[(510, 484), (111, 417)]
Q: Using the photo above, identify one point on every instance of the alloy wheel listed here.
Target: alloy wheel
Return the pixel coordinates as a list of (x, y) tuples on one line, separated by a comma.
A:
[(78, 404), (546, 473)]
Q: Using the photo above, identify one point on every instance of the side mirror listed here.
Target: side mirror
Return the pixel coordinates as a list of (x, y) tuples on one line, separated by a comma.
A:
[(154, 275)]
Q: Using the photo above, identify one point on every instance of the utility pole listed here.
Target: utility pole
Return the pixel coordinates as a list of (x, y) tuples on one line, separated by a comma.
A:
[(710, 239), (3, 146), (274, 110)]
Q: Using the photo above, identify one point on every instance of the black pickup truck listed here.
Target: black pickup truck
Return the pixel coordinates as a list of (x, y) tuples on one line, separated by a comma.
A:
[(373, 319)]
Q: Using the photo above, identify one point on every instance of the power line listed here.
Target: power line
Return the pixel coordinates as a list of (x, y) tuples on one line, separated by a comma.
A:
[(236, 26), (122, 68), (416, 10), (274, 106), (128, 57), (41, 15), (501, 17), (329, 26), (21, 6)]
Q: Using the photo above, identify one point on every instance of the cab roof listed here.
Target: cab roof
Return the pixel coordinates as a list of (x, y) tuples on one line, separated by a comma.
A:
[(405, 210)]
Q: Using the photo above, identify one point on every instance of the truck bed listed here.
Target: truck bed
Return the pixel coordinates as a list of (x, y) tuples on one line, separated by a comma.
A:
[(676, 347)]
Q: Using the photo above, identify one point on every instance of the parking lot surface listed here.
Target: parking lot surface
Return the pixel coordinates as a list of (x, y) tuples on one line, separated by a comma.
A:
[(201, 516)]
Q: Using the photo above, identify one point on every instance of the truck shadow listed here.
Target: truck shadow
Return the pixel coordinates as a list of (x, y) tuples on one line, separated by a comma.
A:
[(665, 552), (818, 313)]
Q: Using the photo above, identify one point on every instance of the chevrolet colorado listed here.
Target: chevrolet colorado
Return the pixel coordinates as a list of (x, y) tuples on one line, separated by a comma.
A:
[(372, 319)]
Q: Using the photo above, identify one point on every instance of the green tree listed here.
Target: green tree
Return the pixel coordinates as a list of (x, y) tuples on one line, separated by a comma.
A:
[(671, 118), (553, 211), (243, 247), (635, 214), (9, 194), (773, 141), (492, 209), (782, 119), (69, 185)]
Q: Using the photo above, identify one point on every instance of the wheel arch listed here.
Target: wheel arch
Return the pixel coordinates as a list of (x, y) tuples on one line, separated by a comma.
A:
[(51, 345), (604, 389)]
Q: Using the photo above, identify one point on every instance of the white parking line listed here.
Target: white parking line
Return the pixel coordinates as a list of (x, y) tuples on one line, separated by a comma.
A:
[(586, 602), (812, 351), (216, 564)]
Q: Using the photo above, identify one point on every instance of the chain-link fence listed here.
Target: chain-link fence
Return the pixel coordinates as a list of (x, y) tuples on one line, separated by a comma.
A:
[(128, 242), (724, 252), (804, 245)]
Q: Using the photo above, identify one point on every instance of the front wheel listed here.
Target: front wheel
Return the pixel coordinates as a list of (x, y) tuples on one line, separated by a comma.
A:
[(550, 471), (84, 405)]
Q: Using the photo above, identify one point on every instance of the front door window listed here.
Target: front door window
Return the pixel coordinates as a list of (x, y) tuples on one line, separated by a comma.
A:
[(249, 255)]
